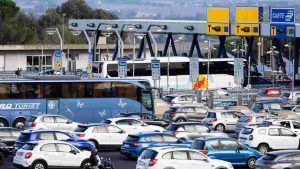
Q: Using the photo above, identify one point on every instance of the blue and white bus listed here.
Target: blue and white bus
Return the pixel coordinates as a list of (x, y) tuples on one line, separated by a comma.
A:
[(81, 100)]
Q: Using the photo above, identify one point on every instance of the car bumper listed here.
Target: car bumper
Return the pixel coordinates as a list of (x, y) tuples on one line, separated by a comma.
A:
[(21, 163), (129, 152)]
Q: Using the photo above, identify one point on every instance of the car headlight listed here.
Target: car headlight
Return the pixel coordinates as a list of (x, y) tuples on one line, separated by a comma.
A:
[(2, 145)]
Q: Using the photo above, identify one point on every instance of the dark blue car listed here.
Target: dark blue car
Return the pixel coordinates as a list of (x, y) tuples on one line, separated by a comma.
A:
[(135, 144), (227, 149), (32, 136)]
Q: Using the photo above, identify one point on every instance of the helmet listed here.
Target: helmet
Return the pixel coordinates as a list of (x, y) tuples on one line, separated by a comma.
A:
[(94, 151)]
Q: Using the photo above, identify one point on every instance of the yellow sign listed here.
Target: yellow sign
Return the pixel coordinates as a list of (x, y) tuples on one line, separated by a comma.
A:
[(57, 65), (218, 15), (273, 31), (217, 29), (247, 15), (89, 67), (201, 83), (247, 30)]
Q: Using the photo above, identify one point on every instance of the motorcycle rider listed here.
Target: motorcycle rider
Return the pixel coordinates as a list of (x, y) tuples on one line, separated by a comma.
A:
[(95, 159)]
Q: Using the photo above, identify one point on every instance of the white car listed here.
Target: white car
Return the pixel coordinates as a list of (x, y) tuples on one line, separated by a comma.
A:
[(293, 125), (131, 125), (266, 138), (102, 135), (51, 154), (50, 122), (178, 158)]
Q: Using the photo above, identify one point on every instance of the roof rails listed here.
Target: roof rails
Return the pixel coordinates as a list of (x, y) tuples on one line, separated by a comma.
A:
[(53, 77)]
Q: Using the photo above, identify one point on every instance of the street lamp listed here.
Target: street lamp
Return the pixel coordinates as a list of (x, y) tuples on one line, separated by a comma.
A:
[(209, 51), (106, 35), (52, 31), (289, 46), (180, 40), (272, 53)]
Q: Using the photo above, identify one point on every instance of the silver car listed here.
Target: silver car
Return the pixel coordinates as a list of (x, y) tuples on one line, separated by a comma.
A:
[(222, 120), (285, 159), (250, 119), (50, 122), (182, 113)]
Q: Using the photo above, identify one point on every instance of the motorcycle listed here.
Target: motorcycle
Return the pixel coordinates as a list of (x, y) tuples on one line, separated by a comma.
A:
[(105, 164)]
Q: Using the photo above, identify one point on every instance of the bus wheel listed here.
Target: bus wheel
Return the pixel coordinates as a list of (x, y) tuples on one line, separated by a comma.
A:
[(3, 123), (19, 123)]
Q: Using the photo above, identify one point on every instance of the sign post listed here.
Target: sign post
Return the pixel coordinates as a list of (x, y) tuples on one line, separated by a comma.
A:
[(155, 68), (90, 62), (194, 69), (122, 67), (239, 77), (57, 60), (282, 23)]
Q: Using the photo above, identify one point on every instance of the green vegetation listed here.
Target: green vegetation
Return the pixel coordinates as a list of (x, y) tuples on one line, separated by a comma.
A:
[(17, 27)]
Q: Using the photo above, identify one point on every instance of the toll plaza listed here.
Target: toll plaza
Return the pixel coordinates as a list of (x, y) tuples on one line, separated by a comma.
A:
[(246, 22)]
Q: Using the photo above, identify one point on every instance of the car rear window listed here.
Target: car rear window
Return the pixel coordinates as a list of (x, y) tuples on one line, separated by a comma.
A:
[(168, 98), (81, 128), (211, 115), (198, 145), (148, 154), (24, 137), (132, 138), (244, 119), (172, 127), (269, 157), (106, 121), (32, 119), (171, 110), (247, 131), (29, 146)]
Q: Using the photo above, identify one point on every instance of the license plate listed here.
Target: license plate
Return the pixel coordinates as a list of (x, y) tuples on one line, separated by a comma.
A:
[(20, 153), (126, 145)]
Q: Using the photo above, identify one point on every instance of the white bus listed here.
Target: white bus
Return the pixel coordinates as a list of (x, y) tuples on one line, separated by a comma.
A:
[(221, 71)]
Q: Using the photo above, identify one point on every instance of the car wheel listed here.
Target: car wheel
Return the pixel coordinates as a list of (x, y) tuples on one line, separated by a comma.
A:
[(180, 120), (19, 123), (220, 127), (1, 158), (39, 165), (263, 148), (3, 123), (85, 164), (251, 162)]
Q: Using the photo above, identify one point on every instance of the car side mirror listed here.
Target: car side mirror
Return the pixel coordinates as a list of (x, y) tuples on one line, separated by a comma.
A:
[(68, 122), (294, 135), (73, 152), (121, 132)]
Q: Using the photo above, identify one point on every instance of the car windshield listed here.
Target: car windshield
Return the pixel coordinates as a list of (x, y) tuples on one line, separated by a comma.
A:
[(29, 146), (132, 138), (81, 128), (172, 127), (106, 121), (247, 131), (148, 154), (269, 157), (32, 119), (287, 107), (211, 115)]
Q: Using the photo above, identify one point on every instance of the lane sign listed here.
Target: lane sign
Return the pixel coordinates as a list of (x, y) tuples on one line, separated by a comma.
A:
[(194, 69), (238, 70), (283, 15), (90, 62), (57, 59), (122, 67), (155, 68)]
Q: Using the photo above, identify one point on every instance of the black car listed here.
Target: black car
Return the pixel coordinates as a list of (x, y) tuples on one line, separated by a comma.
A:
[(4, 153), (147, 118), (8, 136)]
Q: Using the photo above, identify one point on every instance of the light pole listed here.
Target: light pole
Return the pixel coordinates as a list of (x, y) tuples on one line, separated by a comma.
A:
[(289, 46), (139, 36), (180, 40), (106, 35), (51, 31), (209, 50), (272, 53)]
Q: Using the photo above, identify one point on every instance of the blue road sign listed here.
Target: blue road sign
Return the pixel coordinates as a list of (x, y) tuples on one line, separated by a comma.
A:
[(122, 67), (155, 68), (282, 31), (283, 15), (90, 62), (57, 59)]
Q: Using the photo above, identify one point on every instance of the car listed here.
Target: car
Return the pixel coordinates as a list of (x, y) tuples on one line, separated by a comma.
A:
[(5, 152), (180, 99), (51, 154), (176, 157), (135, 144), (284, 159), (291, 107), (36, 135), (132, 125), (102, 135), (268, 137), (269, 105), (293, 125), (50, 122), (147, 118), (222, 120), (191, 130), (273, 91), (227, 149), (250, 119), (184, 113), (8, 136)]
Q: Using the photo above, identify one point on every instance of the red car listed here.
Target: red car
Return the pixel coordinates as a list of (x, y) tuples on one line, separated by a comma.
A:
[(273, 91)]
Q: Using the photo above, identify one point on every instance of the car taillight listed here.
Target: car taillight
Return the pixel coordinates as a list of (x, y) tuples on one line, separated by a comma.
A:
[(249, 119), (136, 144), (174, 133), (172, 114), (213, 120), (80, 135), (28, 155), (269, 164), (152, 162), (33, 124), (204, 151), (251, 137)]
